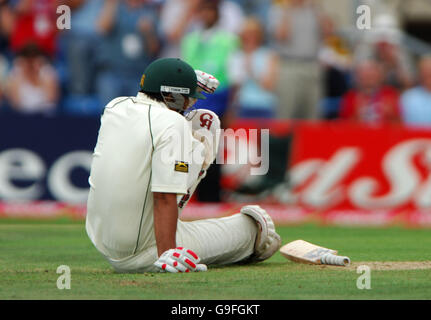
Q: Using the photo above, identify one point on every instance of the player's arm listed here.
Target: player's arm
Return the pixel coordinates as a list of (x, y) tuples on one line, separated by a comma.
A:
[(169, 178), (107, 16), (282, 27), (206, 129), (205, 123), (171, 258), (269, 80), (165, 220)]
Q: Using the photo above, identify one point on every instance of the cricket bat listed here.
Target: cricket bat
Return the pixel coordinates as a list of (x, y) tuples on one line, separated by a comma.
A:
[(306, 252)]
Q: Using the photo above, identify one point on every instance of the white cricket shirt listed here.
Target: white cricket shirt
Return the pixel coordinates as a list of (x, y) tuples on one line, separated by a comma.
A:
[(142, 147)]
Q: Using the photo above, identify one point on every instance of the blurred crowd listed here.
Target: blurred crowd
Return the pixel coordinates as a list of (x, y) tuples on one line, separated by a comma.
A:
[(283, 59)]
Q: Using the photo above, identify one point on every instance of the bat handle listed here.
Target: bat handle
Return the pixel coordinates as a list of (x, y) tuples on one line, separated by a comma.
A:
[(333, 259)]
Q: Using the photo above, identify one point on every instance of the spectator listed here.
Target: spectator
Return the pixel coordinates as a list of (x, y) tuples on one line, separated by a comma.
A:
[(208, 49), (130, 42), (253, 70), (34, 22), (336, 61), (176, 18), (81, 45), (231, 16), (383, 43), (295, 31), (6, 24), (396, 64), (416, 102), (179, 17), (255, 8), (370, 101), (32, 83)]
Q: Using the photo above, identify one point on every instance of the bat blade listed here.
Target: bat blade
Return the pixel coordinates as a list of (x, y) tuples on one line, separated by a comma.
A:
[(306, 252)]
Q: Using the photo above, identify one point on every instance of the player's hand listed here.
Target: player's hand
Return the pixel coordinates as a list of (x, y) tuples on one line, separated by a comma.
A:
[(206, 82), (206, 128), (179, 260)]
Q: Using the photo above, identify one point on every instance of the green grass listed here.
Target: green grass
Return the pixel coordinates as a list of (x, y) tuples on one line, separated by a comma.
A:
[(31, 251)]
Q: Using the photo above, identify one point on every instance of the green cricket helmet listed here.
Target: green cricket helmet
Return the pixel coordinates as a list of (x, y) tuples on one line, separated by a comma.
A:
[(171, 75)]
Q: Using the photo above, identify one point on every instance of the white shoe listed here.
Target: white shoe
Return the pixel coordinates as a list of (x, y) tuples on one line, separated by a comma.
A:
[(267, 241)]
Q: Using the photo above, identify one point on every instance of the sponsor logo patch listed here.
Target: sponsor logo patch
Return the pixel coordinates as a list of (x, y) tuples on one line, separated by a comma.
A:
[(174, 89), (181, 166)]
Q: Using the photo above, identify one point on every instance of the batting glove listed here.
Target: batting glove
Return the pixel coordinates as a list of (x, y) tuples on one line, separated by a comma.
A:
[(179, 260), (206, 82)]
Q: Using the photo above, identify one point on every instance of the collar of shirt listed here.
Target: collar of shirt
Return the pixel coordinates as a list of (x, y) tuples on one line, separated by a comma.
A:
[(142, 97)]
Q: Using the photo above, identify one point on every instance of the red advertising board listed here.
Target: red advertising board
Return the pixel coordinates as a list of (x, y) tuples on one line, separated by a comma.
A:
[(343, 169), (347, 167)]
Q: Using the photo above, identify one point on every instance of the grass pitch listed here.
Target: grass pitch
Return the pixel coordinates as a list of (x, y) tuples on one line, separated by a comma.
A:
[(31, 251)]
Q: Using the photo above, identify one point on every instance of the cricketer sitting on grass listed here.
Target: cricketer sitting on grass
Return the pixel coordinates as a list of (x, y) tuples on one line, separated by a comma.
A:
[(141, 179)]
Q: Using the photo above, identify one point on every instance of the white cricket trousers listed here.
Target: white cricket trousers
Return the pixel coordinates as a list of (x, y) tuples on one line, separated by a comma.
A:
[(218, 241)]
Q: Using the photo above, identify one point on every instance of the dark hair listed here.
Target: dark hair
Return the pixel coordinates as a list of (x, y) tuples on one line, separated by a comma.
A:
[(213, 4), (154, 96), (30, 50)]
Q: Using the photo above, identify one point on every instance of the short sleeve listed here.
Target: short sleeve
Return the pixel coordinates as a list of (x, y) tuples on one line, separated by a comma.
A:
[(171, 159)]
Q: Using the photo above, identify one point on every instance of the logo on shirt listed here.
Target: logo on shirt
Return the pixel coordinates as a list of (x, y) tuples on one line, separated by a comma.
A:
[(142, 81), (206, 120), (181, 166)]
